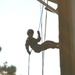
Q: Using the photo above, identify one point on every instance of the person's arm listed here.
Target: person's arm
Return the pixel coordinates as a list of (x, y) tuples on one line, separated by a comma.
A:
[(27, 46), (39, 38)]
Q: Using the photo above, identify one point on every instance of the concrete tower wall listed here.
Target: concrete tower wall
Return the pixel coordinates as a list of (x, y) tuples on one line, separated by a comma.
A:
[(67, 36)]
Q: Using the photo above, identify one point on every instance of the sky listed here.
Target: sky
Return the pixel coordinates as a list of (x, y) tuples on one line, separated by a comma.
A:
[(16, 17)]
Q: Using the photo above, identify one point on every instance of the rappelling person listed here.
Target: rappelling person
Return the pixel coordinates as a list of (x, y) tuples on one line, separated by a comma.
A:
[(33, 43)]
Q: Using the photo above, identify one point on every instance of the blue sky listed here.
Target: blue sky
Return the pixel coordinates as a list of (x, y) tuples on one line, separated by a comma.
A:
[(16, 17)]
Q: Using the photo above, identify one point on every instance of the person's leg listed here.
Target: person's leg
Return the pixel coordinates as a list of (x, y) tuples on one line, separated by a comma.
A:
[(54, 45), (41, 47), (45, 45), (49, 44), (37, 48)]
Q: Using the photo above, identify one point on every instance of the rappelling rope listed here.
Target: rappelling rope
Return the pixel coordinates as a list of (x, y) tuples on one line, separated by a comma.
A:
[(40, 24), (29, 65), (43, 53)]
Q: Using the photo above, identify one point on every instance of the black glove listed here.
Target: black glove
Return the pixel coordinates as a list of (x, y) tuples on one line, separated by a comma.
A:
[(29, 52), (38, 32)]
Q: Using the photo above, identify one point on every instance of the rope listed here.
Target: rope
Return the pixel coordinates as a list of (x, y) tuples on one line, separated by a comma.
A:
[(29, 65), (40, 24), (45, 26), (43, 53)]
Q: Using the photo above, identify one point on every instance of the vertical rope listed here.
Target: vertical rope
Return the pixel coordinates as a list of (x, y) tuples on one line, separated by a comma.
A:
[(42, 40), (43, 53), (42, 62), (45, 26), (40, 23), (29, 65)]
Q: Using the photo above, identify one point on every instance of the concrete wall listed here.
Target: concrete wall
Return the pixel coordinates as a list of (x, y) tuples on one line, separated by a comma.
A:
[(66, 36)]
